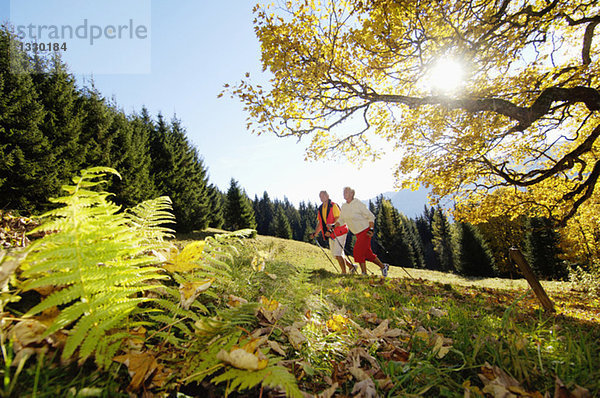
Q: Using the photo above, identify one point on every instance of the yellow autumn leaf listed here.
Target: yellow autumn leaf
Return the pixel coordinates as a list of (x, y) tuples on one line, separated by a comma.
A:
[(141, 365), (242, 359), (336, 322), (269, 305), (187, 259), (189, 291)]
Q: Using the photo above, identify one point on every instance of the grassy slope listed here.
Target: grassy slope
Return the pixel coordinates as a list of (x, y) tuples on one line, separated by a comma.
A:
[(345, 320), (477, 309), (311, 257)]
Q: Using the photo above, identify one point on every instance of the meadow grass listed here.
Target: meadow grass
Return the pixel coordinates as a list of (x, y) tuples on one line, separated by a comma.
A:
[(448, 331), (488, 321)]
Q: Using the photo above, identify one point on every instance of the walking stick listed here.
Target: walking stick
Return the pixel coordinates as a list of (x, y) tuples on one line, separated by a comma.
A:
[(323, 250), (345, 254), (385, 250)]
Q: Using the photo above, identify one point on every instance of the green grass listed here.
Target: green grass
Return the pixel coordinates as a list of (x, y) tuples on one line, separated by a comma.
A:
[(445, 331)]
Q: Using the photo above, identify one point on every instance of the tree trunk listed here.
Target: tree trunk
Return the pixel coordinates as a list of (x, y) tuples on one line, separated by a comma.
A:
[(517, 257)]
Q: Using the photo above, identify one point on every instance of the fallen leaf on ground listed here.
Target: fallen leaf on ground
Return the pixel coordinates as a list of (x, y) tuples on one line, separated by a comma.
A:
[(497, 382), (561, 391), (187, 259), (141, 365), (365, 389), (242, 359), (189, 291)]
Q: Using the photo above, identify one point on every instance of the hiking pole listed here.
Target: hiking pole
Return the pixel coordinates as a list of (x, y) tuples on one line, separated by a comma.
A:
[(385, 250), (354, 267), (346, 255), (323, 250)]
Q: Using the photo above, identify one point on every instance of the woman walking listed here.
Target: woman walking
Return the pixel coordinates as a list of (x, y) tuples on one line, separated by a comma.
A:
[(361, 222)]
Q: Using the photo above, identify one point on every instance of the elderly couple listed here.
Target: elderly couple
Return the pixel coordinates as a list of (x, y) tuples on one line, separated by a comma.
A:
[(334, 224)]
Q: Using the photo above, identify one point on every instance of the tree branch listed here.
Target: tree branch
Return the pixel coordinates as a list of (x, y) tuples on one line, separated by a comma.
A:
[(526, 116)]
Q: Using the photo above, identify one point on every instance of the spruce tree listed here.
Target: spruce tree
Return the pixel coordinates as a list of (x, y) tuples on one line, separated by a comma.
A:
[(502, 233), (130, 155), (414, 241), (542, 249), (216, 203), (442, 240), (62, 123), (179, 173), (188, 187), (293, 217), (423, 224), (281, 225), (265, 214), (238, 209), (97, 140), (307, 219), (392, 235), (28, 175), (473, 256)]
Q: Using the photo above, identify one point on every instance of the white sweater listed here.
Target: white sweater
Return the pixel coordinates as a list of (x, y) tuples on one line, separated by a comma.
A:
[(356, 215)]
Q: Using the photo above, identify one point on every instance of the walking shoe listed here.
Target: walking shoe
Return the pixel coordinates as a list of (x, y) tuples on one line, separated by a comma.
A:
[(353, 269), (385, 269)]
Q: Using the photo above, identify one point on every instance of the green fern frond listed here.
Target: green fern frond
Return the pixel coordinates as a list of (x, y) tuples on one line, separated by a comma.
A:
[(98, 257), (171, 339), (272, 376), (149, 217), (175, 310)]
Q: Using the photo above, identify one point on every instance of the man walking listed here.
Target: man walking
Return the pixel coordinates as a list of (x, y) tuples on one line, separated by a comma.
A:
[(328, 214)]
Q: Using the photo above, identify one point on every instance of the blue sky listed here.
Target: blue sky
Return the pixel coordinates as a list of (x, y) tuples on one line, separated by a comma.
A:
[(192, 48)]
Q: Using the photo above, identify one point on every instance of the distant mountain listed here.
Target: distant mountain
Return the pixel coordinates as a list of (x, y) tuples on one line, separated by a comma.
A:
[(410, 203)]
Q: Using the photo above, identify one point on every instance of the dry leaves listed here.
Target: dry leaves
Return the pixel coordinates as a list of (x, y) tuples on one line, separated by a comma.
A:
[(144, 370), (189, 291), (187, 259), (247, 357)]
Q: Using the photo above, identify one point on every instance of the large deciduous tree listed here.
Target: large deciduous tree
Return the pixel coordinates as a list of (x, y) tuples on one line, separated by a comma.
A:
[(519, 135)]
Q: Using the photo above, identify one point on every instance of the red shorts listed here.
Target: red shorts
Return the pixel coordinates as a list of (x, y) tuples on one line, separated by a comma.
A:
[(362, 248)]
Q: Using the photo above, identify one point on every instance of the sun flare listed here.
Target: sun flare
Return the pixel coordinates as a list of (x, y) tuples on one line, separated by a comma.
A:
[(446, 76)]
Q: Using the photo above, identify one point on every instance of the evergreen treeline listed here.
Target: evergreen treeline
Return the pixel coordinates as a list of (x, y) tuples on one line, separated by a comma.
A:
[(50, 129), (431, 241)]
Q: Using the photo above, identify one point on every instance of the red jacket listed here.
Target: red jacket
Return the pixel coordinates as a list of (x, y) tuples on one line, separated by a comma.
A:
[(330, 219)]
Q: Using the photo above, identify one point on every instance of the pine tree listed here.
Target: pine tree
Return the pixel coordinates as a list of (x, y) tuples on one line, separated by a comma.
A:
[(392, 235), (265, 214), (423, 224), (238, 209), (216, 203), (442, 240), (281, 225), (62, 124), (27, 172), (473, 256), (542, 249)]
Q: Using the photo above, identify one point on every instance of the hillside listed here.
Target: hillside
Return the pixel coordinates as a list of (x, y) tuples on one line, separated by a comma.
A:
[(263, 316)]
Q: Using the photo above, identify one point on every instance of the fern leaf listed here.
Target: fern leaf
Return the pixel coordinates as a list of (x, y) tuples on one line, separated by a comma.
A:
[(272, 376), (98, 256), (149, 217)]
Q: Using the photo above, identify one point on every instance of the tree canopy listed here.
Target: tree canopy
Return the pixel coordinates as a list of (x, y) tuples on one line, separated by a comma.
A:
[(518, 135)]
